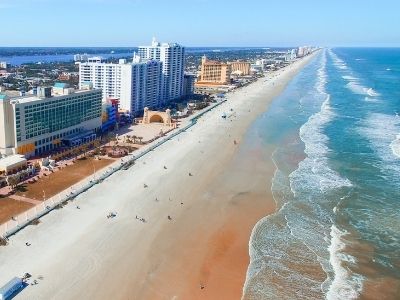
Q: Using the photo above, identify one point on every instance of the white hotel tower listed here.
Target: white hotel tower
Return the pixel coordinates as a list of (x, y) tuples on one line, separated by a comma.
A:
[(173, 58), (137, 84)]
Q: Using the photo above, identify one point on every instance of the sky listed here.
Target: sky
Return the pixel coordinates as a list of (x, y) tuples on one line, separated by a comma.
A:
[(118, 23)]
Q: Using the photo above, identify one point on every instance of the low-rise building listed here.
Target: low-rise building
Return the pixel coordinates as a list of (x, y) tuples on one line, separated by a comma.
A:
[(12, 163), (81, 57), (240, 68), (109, 115)]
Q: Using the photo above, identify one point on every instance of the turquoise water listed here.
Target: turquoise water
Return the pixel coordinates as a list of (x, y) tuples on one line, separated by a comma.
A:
[(336, 233)]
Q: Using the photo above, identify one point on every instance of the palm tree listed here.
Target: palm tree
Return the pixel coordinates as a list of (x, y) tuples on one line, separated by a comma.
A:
[(114, 140), (13, 180), (96, 147), (109, 138), (85, 149)]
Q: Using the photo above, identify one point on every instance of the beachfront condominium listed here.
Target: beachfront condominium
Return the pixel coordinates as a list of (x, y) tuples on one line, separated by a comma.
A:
[(36, 124), (137, 84), (172, 55), (214, 72)]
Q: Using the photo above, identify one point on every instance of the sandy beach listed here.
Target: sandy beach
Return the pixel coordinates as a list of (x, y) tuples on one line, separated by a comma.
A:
[(213, 190)]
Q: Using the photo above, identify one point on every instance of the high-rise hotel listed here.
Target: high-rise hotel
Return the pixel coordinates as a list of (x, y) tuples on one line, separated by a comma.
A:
[(172, 55), (137, 84), (36, 124)]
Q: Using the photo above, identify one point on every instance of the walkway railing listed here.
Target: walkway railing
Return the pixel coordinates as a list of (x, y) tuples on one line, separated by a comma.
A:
[(33, 214)]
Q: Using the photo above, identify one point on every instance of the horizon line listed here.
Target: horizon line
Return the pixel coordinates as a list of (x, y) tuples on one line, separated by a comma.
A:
[(255, 47)]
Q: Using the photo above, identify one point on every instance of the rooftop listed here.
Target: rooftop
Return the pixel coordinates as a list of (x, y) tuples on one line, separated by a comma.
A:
[(33, 98), (61, 85), (213, 62), (11, 161)]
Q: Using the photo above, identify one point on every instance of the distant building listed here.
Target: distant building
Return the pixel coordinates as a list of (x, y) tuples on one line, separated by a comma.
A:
[(257, 68), (172, 55), (81, 57), (303, 51), (188, 84), (240, 68), (36, 124), (95, 59), (137, 84), (65, 76), (4, 65), (215, 77), (214, 72), (292, 54)]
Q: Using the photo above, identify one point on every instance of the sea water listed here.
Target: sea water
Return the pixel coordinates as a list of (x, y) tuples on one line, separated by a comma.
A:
[(336, 231)]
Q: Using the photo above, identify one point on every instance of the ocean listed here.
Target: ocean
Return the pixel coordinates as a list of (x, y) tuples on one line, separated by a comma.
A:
[(336, 133)]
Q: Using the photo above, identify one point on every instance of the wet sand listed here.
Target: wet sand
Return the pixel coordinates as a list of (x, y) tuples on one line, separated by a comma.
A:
[(213, 190)]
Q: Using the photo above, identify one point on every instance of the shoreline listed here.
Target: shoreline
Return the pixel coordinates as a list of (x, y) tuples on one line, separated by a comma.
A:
[(208, 189)]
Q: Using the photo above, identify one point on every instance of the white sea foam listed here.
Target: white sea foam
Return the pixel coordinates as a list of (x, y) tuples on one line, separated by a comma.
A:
[(350, 78), (315, 165), (354, 83), (276, 234), (369, 99), (359, 89), (345, 285), (289, 227), (314, 176), (383, 131), (371, 92), (395, 145), (338, 62), (314, 171)]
